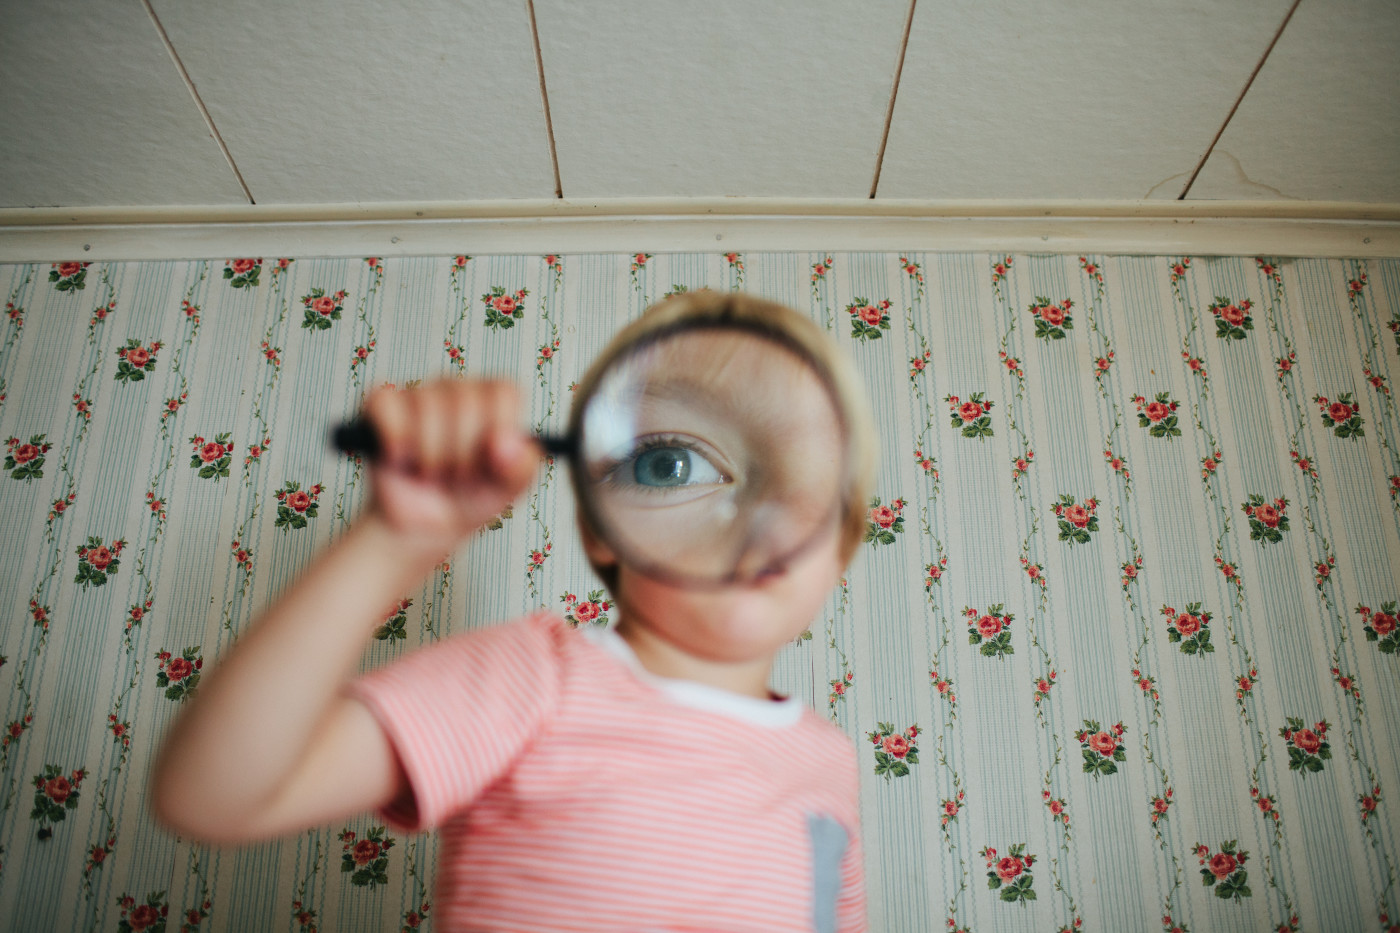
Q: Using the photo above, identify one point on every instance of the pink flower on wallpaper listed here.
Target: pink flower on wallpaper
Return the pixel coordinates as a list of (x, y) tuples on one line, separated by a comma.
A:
[(361, 354), (592, 610), (243, 556), (1342, 415), (366, 858), (136, 360), (394, 621), (98, 561), (868, 318), (1012, 365), (972, 417), (944, 687), (991, 631), (55, 793), (1101, 366), (1160, 805), (1077, 520), (26, 460), (1051, 319), (1224, 870), (1267, 521), (69, 276), (243, 273), (1013, 871), (320, 308), (1381, 626), (1189, 630), (1178, 268), (917, 364), (883, 522), (1000, 270), (1232, 318), (504, 308), (1147, 684), (839, 688), (933, 573), (1102, 749), (951, 807), (895, 751)]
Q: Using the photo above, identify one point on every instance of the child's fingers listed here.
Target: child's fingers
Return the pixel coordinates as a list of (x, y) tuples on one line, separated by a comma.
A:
[(389, 412), (433, 419), (510, 454), (466, 418)]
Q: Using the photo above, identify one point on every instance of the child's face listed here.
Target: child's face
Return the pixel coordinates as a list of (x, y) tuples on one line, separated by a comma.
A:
[(710, 455), (736, 623)]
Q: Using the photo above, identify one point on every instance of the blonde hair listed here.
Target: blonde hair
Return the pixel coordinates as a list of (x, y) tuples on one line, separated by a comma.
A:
[(708, 307)]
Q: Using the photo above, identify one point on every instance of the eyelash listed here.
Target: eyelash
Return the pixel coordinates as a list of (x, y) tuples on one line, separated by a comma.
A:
[(656, 442)]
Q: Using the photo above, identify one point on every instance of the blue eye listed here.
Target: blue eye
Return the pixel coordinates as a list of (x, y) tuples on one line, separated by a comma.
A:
[(663, 466), (667, 463)]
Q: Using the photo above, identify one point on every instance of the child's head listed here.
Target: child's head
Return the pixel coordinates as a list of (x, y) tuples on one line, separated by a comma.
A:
[(789, 327)]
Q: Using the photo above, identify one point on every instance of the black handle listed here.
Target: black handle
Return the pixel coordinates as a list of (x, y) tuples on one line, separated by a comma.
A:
[(357, 437)]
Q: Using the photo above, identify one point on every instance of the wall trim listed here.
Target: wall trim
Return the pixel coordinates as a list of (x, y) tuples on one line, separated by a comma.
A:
[(1237, 228)]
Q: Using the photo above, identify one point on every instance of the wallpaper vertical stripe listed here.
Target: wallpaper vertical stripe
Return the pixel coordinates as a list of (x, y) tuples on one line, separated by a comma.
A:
[(1119, 652)]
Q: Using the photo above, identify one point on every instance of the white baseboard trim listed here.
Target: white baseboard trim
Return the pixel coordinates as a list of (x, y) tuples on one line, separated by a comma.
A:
[(1226, 228)]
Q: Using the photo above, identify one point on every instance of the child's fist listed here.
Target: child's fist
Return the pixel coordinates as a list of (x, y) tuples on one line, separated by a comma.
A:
[(452, 455)]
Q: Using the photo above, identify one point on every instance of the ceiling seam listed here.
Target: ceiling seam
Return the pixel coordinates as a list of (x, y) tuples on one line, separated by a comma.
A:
[(204, 111), (544, 96), (1243, 91), (894, 91)]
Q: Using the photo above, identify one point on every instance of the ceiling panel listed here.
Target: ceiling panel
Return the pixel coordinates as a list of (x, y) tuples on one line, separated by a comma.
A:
[(1322, 119), (1010, 99), (95, 113), (725, 98), (328, 101)]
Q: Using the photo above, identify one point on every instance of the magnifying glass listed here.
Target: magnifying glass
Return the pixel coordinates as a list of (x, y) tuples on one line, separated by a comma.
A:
[(709, 452)]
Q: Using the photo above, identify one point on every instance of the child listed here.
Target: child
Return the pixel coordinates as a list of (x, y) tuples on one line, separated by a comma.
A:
[(641, 778)]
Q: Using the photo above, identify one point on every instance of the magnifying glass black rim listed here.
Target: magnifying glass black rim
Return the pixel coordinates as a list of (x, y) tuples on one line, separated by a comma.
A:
[(570, 445)]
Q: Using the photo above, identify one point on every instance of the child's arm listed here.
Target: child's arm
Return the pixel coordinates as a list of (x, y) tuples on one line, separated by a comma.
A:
[(269, 744)]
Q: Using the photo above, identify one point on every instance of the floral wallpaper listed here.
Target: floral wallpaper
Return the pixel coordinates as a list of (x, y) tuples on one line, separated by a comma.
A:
[(1119, 651)]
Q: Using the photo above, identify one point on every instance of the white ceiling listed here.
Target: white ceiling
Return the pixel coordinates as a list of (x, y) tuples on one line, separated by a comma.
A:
[(334, 101)]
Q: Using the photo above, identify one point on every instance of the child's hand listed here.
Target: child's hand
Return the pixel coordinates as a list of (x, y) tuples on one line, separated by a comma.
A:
[(452, 456)]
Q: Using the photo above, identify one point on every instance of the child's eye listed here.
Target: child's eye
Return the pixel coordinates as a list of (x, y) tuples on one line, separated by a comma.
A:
[(673, 466), (659, 463)]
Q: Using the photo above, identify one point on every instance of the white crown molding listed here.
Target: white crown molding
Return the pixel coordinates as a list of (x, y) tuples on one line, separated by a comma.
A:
[(1273, 228)]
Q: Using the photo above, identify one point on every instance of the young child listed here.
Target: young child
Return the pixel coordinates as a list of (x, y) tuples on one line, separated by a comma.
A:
[(640, 778)]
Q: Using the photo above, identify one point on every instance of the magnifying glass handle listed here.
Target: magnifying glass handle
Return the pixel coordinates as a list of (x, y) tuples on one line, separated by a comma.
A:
[(357, 437)]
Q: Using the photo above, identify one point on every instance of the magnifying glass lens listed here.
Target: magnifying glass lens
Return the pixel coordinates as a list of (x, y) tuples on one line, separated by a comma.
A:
[(711, 455)]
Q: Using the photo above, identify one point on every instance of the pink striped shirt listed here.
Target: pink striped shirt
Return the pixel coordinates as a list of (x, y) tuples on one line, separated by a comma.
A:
[(575, 791)]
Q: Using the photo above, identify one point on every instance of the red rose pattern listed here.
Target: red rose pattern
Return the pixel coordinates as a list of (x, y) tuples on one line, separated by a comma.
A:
[(366, 858), (1308, 740), (1224, 870)]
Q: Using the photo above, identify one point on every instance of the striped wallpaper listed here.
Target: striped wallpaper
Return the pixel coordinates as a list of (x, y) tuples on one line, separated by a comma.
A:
[(1120, 653)]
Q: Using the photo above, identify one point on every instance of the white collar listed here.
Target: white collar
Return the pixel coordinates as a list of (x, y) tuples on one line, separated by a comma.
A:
[(770, 713)]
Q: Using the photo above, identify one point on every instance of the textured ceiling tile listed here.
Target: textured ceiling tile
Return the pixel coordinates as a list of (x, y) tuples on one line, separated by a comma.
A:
[(95, 113), (1322, 119), (1012, 99), (331, 101), (719, 98)]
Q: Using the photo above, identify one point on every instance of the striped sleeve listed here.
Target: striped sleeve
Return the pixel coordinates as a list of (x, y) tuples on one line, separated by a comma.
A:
[(459, 712)]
